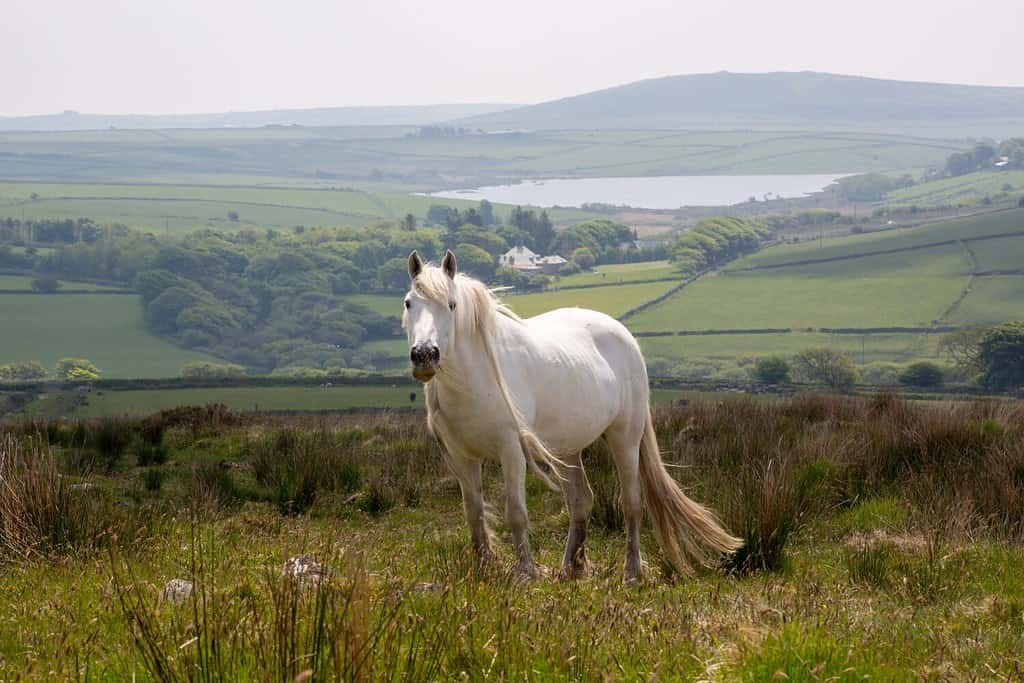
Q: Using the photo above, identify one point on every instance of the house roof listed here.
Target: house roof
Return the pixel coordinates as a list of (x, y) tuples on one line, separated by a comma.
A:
[(519, 257)]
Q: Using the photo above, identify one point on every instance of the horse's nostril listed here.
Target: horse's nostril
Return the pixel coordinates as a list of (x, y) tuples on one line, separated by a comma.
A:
[(435, 353)]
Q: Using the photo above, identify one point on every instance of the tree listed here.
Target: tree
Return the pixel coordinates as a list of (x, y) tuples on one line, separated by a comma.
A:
[(475, 261), (922, 374), (772, 370), (394, 274), (961, 347), (486, 212), (1001, 353), (584, 258), (76, 370), (24, 371), (204, 370), (45, 285), (825, 366), (409, 222)]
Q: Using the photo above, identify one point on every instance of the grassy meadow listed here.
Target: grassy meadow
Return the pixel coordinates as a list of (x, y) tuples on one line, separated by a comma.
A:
[(613, 300), (882, 542), (108, 329)]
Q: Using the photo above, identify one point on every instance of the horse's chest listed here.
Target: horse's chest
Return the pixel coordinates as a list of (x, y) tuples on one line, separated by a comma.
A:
[(479, 426)]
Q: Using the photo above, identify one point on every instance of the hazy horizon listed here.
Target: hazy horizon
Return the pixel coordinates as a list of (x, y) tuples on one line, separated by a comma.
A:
[(189, 57)]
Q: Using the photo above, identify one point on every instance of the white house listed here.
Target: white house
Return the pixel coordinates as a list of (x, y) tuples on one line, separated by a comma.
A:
[(524, 259)]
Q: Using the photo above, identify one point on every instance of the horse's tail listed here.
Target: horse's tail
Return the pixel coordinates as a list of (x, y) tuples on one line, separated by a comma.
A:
[(677, 518)]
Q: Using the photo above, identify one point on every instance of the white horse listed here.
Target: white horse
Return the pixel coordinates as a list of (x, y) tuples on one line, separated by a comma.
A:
[(543, 389)]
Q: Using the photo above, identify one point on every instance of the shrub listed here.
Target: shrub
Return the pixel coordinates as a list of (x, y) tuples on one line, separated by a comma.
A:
[(772, 370), (45, 284), (25, 371), (205, 370), (42, 515), (922, 374), (1001, 354), (76, 370), (825, 366)]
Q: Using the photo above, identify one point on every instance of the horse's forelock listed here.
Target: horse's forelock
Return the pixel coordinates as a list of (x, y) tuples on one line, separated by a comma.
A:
[(475, 304)]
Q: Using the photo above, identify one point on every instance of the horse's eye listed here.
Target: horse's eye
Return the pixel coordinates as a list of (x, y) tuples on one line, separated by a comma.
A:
[(451, 305), (408, 304)]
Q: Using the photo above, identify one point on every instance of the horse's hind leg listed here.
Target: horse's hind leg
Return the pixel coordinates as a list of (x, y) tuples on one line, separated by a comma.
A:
[(579, 500), (624, 442), (468, 471)]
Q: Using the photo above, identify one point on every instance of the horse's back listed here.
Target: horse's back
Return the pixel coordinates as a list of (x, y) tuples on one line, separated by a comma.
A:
[(607, 349)]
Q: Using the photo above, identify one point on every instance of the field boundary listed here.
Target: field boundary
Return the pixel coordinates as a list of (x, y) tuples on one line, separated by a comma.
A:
[(934, 329), (661, 297), (877, 252)]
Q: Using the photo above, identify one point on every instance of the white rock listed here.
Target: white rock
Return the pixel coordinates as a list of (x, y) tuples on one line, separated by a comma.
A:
[(303, 567), (177, 591)]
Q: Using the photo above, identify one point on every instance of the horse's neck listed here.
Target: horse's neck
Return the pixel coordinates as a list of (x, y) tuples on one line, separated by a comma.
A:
[(470, 372)]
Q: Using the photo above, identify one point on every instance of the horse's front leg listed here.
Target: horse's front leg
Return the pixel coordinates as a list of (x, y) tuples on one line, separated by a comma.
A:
[(467, 471), (513, 470)]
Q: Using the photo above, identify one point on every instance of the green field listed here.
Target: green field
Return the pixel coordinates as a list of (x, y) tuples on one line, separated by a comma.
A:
[(1002, 254), (385, 304), (991, 300), (300, 398), (855, 293), (336, 157), (108, 329), (968, 228), (611, 300), (621, 273), (25, 282), (965, 189)]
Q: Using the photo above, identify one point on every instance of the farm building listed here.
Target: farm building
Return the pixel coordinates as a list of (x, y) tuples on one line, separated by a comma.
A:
[(523, 258)]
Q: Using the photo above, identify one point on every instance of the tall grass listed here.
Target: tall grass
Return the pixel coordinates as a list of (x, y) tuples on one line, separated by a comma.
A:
[(42, 515)]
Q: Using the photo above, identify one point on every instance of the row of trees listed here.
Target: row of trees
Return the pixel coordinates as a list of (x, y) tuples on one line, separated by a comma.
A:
[(714, 241), (985, 155), (67, 369)]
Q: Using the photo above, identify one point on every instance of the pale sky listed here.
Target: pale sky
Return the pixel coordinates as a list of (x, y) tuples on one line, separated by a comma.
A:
[(188, 56)]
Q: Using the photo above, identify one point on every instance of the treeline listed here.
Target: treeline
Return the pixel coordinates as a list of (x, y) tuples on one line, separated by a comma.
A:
[(869, 187), (278, 301), (714, 241), (1008, 154)]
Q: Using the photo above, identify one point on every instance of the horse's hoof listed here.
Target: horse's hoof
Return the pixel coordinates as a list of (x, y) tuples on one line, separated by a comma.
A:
[(529, 572), (573, 571)]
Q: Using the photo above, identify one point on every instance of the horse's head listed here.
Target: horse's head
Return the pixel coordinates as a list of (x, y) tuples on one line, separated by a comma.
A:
[(429, 317)]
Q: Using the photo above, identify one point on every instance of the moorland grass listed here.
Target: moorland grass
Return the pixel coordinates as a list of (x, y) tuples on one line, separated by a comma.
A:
[(883, 540)]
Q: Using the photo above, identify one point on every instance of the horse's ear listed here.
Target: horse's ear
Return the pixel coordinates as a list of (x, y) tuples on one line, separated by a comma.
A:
[(415, 265), (448, 265)]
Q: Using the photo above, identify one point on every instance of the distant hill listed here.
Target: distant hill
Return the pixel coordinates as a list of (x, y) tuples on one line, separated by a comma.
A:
[(779, 100), (417, 115)]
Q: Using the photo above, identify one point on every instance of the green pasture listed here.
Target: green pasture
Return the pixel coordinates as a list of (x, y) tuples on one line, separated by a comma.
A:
[(904, 289), (621, 273), (25, 282), (967, 228), (383, 160), (991, 300), (611, 300), (1002, 254), (966, 189), (865, 348), (385, 304), (279, 398), (108, 329)]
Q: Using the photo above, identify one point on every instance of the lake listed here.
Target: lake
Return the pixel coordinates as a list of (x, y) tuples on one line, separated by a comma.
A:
[(653, 192)]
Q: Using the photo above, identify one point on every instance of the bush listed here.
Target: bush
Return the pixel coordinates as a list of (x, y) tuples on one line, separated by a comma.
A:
[(772, 370), (569, 268), (25, 371), (206, 370), (76, 370), (1001, 355), (824, 366), (922, 374), (45, 285)]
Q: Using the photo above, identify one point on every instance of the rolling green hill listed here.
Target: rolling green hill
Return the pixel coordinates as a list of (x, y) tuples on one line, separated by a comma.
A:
[(949, 274), (804, 100), (108, 329)]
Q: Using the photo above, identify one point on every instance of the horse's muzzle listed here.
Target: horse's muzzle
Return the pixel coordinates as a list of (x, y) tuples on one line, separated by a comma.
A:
[(425, 359)]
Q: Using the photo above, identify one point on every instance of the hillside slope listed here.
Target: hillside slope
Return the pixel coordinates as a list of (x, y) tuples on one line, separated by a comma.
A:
[(804, 99)]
